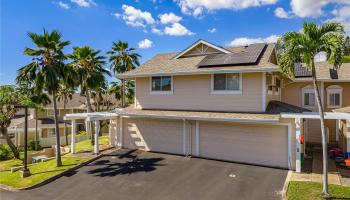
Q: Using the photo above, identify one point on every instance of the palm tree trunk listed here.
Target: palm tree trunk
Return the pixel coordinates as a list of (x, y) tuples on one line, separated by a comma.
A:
[(323, 132), (57, 132), (36, 128), (88, 102), (65, 123), (10, 143)]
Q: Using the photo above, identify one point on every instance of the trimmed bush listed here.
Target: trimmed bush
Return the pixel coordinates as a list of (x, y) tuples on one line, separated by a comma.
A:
[(5, 153)]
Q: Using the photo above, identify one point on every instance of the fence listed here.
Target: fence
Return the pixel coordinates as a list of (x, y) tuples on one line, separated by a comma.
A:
[(48, 142)]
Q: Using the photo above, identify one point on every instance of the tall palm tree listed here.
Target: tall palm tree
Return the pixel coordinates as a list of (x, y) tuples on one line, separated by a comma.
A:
[(303, 46), (88, 67), (116, 90), (46, 70), (122, 59), (65, 93)]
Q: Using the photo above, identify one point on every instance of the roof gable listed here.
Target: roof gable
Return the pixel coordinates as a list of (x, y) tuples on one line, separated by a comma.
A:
[(200, 48)]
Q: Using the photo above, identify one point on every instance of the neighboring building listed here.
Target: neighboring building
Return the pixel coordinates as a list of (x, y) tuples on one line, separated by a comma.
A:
[(229, 104), (45, 120)]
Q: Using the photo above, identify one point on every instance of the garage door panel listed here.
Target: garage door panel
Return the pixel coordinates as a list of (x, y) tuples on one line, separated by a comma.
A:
[(153, 135), (256, 144)]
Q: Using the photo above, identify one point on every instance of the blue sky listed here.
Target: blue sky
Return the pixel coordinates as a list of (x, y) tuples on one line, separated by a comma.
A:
[(154, 26)]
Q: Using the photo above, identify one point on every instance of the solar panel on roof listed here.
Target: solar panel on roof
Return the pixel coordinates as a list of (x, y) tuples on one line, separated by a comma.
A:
[(250, 55)]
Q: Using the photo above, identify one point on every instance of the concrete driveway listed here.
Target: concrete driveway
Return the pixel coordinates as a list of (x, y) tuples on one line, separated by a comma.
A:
[(134, 175)]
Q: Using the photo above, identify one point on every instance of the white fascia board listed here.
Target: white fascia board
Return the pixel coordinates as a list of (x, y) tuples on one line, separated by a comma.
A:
[(300, 80), (94, 115), (263, 121), (315, 115), (203, 42), (265, 69)]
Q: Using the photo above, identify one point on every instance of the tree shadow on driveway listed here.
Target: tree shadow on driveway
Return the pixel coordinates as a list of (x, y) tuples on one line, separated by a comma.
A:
[(127, 163)]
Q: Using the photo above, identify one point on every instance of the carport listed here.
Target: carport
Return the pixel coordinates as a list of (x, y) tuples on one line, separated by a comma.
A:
[(299, 117)]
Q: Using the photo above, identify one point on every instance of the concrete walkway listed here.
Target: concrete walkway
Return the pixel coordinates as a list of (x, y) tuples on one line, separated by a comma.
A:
[(315, 172)]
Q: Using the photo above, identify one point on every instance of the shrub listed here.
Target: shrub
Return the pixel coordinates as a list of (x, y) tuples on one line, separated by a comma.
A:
[(32, 146), (5, 153), (81, 133)]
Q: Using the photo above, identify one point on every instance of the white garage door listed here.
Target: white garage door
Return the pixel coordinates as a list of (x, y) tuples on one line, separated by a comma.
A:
[(255, 144), (153, 135)]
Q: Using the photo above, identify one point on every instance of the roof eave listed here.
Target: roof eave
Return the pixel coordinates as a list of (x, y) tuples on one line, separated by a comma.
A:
[(264, 69)]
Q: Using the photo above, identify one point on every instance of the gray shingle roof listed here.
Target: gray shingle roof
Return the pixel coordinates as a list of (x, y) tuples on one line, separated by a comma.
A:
[(325, 71)]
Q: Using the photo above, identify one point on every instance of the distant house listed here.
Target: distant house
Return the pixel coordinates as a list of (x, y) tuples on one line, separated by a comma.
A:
[(45, 120)]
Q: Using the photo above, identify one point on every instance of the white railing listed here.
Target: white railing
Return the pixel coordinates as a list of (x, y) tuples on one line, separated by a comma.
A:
[(48, 142)]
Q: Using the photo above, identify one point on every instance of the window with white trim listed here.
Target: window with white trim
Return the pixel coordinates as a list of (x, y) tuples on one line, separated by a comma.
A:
[(334, 96), (161, 84), (51, 132), (227, 83), (308, 96)]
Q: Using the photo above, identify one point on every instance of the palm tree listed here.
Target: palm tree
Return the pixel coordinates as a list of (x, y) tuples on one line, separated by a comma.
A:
[(116, 90), (46, 70), (303, 46), (65, 93), (88, 66), (122, 59)]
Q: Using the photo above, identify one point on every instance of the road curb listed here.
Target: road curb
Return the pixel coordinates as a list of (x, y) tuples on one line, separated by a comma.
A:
[(285, 186), (9, 188)]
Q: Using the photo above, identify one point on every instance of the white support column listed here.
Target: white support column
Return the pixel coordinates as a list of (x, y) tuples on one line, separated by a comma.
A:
[(72, 142), (110, 133), (97, 130), (184, 137), (348, 137), (120, 132), (297, 145), (197, 138), (337, 126)]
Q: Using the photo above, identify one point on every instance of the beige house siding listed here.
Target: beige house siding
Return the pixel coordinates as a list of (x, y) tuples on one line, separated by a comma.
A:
[(194, 93)]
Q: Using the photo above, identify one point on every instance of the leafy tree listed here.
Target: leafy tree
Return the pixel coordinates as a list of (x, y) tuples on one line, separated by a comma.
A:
[(88, 67), (65, 93), (122, 59), (303, 46), (116, 91), (11, 99), (46, 71)]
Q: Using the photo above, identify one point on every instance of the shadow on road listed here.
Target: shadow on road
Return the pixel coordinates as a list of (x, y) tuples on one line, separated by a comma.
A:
[(126, 163)]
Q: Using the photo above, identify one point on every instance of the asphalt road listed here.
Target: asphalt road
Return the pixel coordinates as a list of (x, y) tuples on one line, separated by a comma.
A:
[(142, 175)]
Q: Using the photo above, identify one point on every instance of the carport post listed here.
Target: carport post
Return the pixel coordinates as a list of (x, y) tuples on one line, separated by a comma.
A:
[(97, 130), (297, 145), (110, 134), (72, 142)]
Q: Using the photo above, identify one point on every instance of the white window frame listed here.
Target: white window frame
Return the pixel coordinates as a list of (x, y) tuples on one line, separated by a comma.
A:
[(171, 92), (307, 89), (226, 91), (334, 89), (50, 133), (53, 113)]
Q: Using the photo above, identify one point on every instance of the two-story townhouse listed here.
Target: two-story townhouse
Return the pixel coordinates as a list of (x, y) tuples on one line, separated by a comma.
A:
[(229, 104), (42, 120)]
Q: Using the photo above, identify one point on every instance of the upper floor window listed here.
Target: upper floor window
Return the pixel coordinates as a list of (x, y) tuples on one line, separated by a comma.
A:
[(334, 96), (227, 83), (50, 112), (308, 97), (161, 85)]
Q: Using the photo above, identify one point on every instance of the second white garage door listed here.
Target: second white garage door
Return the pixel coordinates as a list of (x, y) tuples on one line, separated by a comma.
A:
[(153, 135), (255, 144)]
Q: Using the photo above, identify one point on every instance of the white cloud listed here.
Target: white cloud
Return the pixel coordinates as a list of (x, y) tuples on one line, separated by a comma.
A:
[(177, 29), (145, 44), (63, 5), (157, 31), (117, 15), (136, 17), (169, 18), (84, 3), (313, 8), (342, 15), (281, 13), (196, 7), (212, 30), (321, 57), (247, 41)]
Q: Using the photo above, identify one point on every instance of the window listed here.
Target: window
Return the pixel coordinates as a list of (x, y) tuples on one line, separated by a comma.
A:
[(226, 83), (308, 97), (334, 96), (50, 113), (161, 85), (51, 132)]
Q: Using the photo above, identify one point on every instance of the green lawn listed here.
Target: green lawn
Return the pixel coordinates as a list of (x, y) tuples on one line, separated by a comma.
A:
[(85, 145), (300, 190), (39, 172)]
